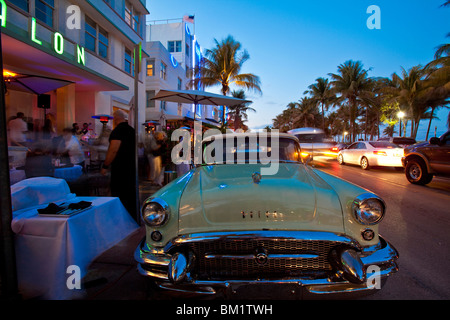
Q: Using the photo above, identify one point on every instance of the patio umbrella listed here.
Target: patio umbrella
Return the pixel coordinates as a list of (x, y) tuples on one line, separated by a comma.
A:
[(32, 83), (197, 97)]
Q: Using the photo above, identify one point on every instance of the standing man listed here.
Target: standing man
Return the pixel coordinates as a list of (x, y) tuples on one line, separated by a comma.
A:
[(120, 157)]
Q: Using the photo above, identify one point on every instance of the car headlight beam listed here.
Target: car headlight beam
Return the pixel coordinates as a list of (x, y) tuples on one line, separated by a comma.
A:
[(155, 212), (368, 209)]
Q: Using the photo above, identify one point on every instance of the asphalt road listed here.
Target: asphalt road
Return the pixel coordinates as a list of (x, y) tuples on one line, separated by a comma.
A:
[(417, 223)]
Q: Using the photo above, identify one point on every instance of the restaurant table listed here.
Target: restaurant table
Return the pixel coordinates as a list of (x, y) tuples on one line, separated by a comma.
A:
[(47, 247), (69, 173)]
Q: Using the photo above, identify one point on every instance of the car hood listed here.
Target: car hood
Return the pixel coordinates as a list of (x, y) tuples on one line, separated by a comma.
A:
[(225, 197)]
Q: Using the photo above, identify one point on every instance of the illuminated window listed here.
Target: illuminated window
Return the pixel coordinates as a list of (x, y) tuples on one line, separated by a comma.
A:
[(179, 84), (150, 67), (44, 11), (174, 46)]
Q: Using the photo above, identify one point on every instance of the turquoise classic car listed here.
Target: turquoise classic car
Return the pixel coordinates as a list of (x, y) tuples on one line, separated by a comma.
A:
[(238, 221)]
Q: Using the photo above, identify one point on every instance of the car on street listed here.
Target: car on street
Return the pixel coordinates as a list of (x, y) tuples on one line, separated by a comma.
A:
[(232, 227), (400, 141), (315, 142), (371, 154), (424, 160)]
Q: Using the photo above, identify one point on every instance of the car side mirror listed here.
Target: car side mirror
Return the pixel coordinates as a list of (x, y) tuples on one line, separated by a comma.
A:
[(435, 140)]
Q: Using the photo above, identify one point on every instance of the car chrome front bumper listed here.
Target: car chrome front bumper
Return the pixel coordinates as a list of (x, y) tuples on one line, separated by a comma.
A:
[(158, 265)]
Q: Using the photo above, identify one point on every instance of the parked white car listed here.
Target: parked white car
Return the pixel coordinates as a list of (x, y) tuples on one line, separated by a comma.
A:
[(371, 154)]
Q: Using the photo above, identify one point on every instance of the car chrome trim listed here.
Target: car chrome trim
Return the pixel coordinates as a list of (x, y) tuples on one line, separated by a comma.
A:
[(261, 235), (359, 200), (152, 262)]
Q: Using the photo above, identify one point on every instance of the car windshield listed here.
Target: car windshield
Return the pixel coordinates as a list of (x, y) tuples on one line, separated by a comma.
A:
[(250, 150), (383, 144), (310, 137)]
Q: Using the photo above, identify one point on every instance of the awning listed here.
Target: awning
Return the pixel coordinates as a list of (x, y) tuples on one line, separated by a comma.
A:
[(33, 83)]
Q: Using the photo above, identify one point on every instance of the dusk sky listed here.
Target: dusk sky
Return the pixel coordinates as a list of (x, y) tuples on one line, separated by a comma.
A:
[(293, 42)]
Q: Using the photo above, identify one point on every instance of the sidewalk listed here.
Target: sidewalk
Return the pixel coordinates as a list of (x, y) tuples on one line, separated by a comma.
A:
[(113, 275)]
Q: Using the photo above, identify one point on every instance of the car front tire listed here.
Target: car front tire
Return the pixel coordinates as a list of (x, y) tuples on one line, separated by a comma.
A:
[(416, 172), (340, 159)]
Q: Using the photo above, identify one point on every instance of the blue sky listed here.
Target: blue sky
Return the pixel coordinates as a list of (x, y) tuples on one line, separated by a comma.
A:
[(293, 42)]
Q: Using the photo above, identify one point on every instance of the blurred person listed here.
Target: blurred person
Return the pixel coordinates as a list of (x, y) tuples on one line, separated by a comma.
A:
[(48, 130), (160, 157), (75, 129), (18, 128), (71, 146), (150, 146), (121, 159)]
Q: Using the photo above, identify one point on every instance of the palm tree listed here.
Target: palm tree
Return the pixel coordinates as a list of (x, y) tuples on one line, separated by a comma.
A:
[(222, 66), (239, 112), (351, 83), (305, 112), (321, 93), (409, 91)]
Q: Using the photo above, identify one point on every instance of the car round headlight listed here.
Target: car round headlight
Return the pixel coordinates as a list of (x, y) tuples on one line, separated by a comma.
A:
[(368, 209), (155, 213)]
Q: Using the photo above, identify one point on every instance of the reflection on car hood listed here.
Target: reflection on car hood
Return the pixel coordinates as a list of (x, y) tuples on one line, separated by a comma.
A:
[(225, 197)]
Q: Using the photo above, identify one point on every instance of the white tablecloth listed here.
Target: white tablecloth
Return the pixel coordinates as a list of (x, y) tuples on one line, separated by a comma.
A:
[(70, 173), (47, 246)]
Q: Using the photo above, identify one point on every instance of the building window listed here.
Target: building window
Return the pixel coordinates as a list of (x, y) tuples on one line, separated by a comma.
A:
[(22, 4), (174, 46), (132, 17), (163, 105), (136, 22), (128, 13), (44, 11), (102, 42), (180, 109), (90, 35), (150, 67), (179, 84), (129, 61), (150, 103), (96, 38), (163, 72)]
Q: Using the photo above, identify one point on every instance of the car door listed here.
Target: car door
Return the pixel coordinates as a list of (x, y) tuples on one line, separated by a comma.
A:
[(361, 150), (440, 159), (350, 153)]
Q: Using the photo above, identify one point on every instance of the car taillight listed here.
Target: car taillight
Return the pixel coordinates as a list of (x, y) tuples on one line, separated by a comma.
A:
[(380, 153), (335, 149)]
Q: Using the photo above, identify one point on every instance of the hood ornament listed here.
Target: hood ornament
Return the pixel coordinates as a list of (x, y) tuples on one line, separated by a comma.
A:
[(256, 176)]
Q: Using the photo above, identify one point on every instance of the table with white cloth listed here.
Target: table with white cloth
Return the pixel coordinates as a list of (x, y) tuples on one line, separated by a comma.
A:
[(46, 246), (69, 174)]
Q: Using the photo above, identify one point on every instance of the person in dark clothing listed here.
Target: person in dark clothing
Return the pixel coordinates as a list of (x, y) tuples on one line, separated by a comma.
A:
[(120, 157)]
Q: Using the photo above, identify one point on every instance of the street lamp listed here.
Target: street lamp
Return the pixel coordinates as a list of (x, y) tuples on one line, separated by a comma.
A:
[(400, 115), (345, 135)]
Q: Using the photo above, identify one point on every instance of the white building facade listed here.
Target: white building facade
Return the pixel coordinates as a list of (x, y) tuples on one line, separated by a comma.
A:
[(173, 54), (88, 43)]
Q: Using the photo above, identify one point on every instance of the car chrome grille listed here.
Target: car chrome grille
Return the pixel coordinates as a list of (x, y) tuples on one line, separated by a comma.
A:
[(237, 258)]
